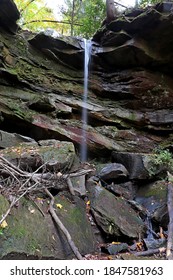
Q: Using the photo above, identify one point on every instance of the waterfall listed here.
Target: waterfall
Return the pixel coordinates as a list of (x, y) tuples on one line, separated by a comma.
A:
[(87, 53), (150, 235)]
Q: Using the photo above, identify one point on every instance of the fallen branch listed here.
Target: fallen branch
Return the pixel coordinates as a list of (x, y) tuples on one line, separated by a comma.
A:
[(70, 186), (23, 182), (169, 251), (62, 227), (151, 252)]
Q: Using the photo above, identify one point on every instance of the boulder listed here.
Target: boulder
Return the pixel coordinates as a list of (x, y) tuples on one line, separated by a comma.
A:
[(12, 139), (30, 235), (73, 215), (126, 190), (113, 171), (56, 155), (153, 197), (145, 27), (114, 215), (139, 165), (65, 50)]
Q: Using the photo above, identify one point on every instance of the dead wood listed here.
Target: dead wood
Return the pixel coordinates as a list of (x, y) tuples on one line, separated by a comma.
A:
[(70, 186), (15, 200), (151, 252), (62, 227), (169, 251), (22, 182)]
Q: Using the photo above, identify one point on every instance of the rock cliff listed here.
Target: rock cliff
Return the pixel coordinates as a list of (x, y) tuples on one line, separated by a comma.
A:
[(130, 107), (130, 82)]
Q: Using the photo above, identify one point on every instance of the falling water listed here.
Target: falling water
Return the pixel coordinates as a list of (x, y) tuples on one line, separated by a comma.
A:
[(150, 228), (87, 49)]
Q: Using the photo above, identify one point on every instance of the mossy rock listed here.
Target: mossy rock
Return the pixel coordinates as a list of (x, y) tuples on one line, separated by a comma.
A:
[(4, 205), (27, 233), (30, 235), (55, 154), (153, 197), (73, 215), (114, 214)]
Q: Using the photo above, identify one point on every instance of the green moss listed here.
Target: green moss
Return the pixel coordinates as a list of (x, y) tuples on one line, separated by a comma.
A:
[(4, 205), (132, 116), (74, 218), (157, 191), (25, 231)]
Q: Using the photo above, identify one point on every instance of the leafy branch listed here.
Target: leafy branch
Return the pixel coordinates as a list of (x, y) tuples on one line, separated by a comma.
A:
[(26, 6)]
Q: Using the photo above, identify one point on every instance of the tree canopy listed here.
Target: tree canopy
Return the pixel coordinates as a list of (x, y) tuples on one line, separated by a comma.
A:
[(84, 17), (36, 16), (79, 17), (148, 2)]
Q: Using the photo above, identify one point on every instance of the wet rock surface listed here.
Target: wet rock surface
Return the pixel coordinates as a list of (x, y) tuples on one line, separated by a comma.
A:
[(112, 214), (130, 113), (130, 88), (34, 236)]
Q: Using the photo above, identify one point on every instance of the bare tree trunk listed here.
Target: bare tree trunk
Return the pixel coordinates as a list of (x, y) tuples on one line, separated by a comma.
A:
[(110, 10), (136, 4), (72, 18)]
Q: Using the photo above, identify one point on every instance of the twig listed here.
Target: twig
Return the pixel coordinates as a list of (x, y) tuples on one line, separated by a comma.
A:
[(121, 5), (62, 227), (79, 173), (8, 169), (13, 203), (13, 166)]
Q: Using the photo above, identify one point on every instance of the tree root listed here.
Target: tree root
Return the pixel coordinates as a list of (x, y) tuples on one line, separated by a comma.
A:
[(62, 227)]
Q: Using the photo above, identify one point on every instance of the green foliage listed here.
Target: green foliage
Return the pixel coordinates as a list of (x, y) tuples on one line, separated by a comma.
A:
[(144, 3), (80, 18), (161, 158), (33, 15), (92, 17), (84, 17)]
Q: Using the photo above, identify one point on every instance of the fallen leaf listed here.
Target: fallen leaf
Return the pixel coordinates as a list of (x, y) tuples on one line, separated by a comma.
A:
[(139, 246), (4, 224), (58, 205), (31, 209)]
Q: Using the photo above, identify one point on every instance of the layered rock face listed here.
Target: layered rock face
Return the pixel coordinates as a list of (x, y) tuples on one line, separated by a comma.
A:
[(130, 83), (130, 113)]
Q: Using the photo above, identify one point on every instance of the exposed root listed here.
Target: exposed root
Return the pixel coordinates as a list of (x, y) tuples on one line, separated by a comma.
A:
[(62, 227)]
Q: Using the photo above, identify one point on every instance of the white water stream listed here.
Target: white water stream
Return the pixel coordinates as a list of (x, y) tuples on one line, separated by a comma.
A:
[(87, 53)]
